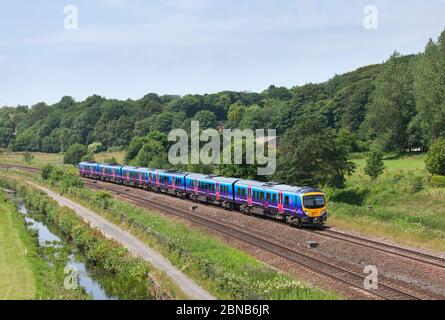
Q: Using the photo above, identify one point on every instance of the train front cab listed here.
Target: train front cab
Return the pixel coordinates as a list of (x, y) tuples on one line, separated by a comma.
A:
[(314, 207)]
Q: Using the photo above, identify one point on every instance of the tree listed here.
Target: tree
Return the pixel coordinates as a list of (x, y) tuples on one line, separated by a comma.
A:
[(430, 90), (374, 164), (235, 114), (393, 105), (311, 154), (207, 119), (95, 147), (74, 154), (435, 160), (153, 155)]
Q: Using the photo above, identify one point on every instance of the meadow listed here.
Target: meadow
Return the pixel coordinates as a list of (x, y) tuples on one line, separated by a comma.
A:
[(401, 204), (16, 274)]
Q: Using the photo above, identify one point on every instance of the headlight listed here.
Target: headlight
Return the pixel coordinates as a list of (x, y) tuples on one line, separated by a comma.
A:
[(307, 213), (323, 212)]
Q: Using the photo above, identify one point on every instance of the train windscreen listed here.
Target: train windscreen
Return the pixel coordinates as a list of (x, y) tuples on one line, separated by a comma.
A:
[(314, 202)]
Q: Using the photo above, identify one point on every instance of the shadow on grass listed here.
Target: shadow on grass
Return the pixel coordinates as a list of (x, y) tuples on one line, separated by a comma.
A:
[(350, 196)]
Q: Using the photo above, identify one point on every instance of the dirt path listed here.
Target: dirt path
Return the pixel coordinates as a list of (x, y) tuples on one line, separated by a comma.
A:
[(134, 245)]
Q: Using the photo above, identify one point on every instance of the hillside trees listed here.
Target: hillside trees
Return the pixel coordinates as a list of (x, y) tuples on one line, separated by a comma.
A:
[(430, 90), (393, 105)]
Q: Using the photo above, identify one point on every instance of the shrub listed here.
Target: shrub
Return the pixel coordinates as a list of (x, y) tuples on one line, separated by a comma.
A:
[(111, 160), (74, 154), (47, 171), (435, 159), (438, 181), (28, 157), (88, 157), (374, 164)]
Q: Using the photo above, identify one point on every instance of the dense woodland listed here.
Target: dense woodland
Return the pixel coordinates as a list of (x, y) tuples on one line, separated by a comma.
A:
[(394, 106)]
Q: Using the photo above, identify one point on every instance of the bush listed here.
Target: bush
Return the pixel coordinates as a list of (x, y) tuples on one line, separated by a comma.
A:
[(438, 181), (435, 159), (74, 154), (28, 157), (111, 161), (374, 164), (89, 157), (47, 171)]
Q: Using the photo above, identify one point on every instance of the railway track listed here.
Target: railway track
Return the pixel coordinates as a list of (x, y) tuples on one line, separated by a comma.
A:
[(356, 280), (385, 291), (384, 247)]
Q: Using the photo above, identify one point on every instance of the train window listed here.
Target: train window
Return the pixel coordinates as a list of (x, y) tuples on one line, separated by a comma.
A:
[(262, 195), (268, 196), (274, 198), (286, 200)]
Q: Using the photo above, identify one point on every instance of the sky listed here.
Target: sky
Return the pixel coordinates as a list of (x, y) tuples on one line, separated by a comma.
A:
[(127, 48)]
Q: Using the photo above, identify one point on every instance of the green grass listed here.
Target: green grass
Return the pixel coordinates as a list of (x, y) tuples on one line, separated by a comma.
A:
[(41, 159), (25, 273), (411, 163), (401, 204), (17, 281)]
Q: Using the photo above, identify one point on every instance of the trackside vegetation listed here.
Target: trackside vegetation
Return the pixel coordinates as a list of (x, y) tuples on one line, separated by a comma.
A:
[(225, 271), (28, 271), (130, 275)]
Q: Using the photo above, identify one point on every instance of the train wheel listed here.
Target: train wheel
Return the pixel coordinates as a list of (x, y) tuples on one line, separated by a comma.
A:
[(297, 222)]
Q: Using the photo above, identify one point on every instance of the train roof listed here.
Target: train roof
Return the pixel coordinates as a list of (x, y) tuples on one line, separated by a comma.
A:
[(225, 179), (111, 165), (170, 172), (135, 168), (276, 187), (199, 176)]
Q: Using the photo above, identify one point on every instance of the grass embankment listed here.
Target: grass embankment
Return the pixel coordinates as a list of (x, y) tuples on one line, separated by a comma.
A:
[(16, 274), (26, 272), (131, 276), (401, 204), (226, 272)]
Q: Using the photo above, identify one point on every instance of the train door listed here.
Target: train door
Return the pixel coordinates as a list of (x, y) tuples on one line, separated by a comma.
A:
[(173, 182), (280, 202), (249, 196), (140, 177), (218, 194), (196, 187), (157, 180)]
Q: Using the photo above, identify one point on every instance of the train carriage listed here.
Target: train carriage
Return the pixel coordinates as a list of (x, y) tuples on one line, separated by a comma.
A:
[(168, 181), (135, 176), (107, 172), (200, 187), (88, 169), (224, 195)]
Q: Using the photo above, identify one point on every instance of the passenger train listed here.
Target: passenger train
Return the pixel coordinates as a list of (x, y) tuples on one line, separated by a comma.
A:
[(297, 206)]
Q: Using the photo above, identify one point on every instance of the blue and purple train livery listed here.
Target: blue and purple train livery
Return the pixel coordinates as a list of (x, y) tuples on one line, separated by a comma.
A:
[(295, 205)]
